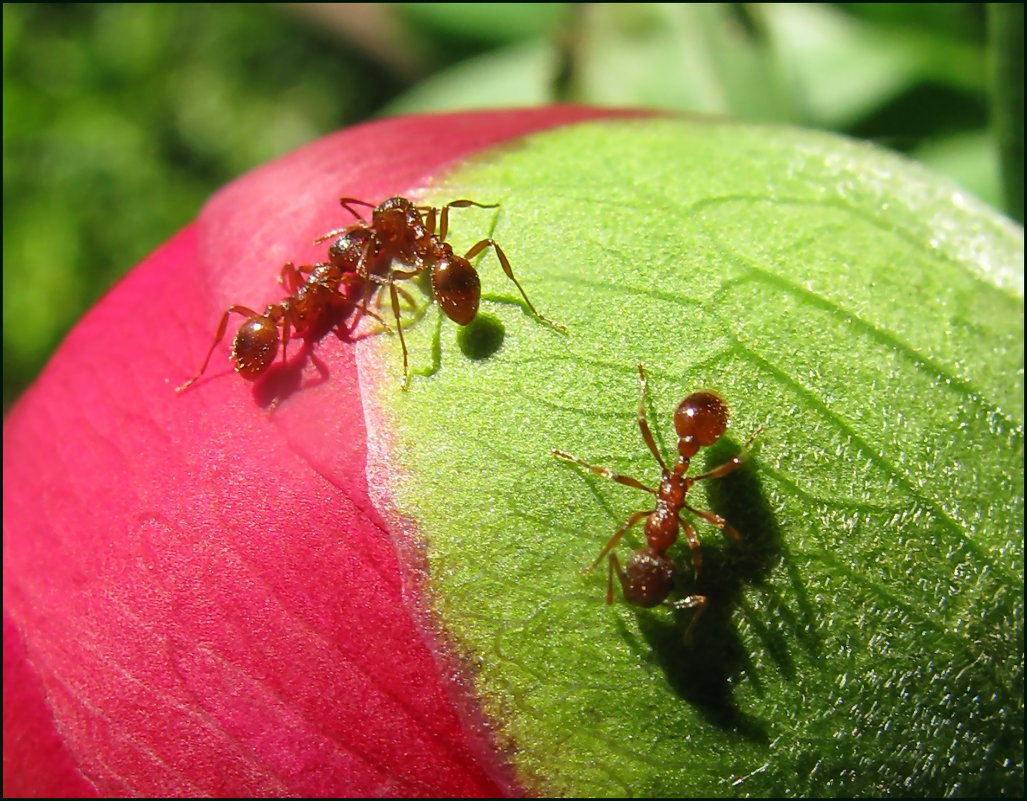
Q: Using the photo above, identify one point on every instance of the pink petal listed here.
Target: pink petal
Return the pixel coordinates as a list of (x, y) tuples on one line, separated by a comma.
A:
[(202, 600)]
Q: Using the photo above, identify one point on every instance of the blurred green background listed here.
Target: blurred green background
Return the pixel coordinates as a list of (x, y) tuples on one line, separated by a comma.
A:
[(121, 119)]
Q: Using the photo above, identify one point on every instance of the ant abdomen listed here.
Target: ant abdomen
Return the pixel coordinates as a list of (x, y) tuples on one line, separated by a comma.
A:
[(457, 287), (255, 347), (647, 578)]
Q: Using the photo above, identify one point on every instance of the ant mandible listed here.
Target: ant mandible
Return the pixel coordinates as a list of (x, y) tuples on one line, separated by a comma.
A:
[(313, 305), (406, 233), (648, 578)]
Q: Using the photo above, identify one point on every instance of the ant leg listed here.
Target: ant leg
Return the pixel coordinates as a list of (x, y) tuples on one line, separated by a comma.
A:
[(459, 204), (429, 220), (693, 543), (285, 276), (362, 275), (431, 212), (390, 282), (362, 308), (505, 262), (411, 305), (291, 276), (386, 328), (714, 520), (345, 203), (361, 270), (731, 464), (393, 274), (690, 602), (242, 310), (399, 329), (643, 424), (329, 235), (614, 567), (611, 543), (604, 472), (285, 336), (337, 232), (407, 297)]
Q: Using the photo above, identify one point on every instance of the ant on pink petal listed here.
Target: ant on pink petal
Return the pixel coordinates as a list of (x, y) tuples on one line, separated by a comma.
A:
[(257, 341), (314, 305), (700, 420)]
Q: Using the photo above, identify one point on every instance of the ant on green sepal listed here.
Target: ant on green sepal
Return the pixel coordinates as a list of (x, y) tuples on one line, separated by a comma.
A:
[(648, 576), (406, 233)]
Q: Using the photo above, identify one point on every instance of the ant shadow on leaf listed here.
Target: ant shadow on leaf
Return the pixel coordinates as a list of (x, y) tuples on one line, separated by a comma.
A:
[(481, 338), (703, 655), (478, 340)]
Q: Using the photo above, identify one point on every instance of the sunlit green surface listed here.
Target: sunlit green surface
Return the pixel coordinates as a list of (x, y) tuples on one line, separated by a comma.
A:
[(866, 637)]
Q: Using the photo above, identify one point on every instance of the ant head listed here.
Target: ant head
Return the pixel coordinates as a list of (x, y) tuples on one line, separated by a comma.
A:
[(647, 579), (396, 218), (456, 285), (348, 250), (313, 311), (397, 204), (255, 347), (700, 420)]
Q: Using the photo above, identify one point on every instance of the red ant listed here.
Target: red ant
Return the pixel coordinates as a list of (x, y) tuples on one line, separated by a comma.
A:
[(313, 305), (699, 420), (406, 233)]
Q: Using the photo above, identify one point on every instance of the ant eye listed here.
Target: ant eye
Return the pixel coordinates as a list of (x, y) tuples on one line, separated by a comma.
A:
[(701, 417)]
